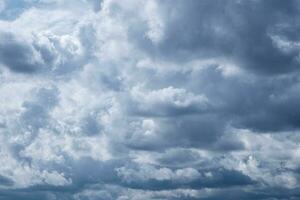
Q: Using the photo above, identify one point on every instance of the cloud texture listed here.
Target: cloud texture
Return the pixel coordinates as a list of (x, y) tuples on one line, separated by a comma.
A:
[(132, 100)]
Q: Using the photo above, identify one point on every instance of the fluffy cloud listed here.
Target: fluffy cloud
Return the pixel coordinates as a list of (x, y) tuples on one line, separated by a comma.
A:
[(149, 100)]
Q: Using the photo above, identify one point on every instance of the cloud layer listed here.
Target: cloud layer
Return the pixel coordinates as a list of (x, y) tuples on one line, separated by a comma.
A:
[(188, 100)]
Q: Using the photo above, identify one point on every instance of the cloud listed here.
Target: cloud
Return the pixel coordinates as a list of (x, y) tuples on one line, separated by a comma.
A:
[(149, 100), (148, 177), (19, 56), (229, 29)]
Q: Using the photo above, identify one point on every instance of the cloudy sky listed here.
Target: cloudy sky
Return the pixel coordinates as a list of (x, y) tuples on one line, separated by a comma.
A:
[(149, 100)]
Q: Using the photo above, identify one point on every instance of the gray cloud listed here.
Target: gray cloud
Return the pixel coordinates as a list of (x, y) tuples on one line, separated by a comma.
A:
[(233, 29), (149, 100), (19, 56)]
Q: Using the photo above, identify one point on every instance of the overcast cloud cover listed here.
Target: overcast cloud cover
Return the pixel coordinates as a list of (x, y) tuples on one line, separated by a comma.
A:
[(149, 100)]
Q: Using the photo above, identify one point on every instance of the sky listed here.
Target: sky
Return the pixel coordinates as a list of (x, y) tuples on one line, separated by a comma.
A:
[(149, 100)]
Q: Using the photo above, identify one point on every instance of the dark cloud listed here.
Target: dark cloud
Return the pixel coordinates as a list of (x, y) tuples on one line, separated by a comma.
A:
[(45, 54), (36, 114), (5, 181), (163, 178), (237, 30), (18, 56)]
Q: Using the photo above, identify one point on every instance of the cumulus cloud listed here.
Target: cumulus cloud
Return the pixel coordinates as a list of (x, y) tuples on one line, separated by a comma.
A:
[(107, 99)]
